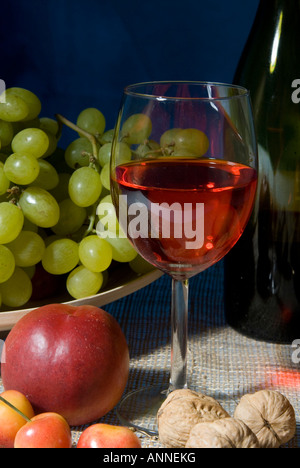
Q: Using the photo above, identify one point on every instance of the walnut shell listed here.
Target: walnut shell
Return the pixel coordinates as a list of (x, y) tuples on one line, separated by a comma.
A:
[(181, 410), (270, 415), (222, 433)]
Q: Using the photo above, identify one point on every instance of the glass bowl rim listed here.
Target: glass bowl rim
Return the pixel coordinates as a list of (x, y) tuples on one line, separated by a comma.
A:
[(132, 90)]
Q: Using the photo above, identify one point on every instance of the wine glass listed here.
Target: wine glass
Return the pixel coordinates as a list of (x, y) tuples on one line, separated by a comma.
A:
[(183, 182)]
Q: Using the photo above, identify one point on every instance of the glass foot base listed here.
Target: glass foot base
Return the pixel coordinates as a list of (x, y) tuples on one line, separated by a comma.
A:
[(138, 409)]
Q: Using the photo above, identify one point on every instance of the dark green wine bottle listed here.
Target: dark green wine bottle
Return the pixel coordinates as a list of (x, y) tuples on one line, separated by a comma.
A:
[(262, 272)]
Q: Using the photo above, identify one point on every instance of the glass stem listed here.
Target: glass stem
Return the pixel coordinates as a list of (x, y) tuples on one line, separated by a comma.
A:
[(179, 323)]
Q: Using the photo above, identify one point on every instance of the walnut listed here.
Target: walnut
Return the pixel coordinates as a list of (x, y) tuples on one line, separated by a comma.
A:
[(181, 410), (222, 433), (270, 415)]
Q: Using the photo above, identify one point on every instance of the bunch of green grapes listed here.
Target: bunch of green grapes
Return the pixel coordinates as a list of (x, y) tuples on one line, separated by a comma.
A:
[(49, 200)]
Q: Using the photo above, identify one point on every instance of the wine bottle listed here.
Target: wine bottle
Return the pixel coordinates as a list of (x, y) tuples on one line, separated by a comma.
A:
[(262, 271)]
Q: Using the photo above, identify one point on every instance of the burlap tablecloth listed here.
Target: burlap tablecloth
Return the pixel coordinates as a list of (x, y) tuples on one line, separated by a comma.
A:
[(220, 360)]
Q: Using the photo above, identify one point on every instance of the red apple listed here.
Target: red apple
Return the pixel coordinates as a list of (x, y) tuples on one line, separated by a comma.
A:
[(108, 436), (69, 360), (46, 430), (10, 420)]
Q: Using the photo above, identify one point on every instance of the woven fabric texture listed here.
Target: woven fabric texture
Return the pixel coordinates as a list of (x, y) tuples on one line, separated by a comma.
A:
[(221, 362)]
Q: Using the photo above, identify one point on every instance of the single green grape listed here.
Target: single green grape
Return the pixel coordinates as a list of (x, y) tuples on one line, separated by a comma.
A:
[(107, 136), (85, 186), (60, 257), (21, 168), (190, 142), (82, 282), (71, 218), (48, 177), (13, 109), (17, 290), (136, 129), (77, 153), (39, 207), (122, 153), (49, 125), (168, 137), (104, 154), (92, 120), (122, 250), (11, 222), (105, 176), (31, 140), (28, 248), (4, 181), (52, 144), (7, 263), (6, 132), (32, 101), (95, 253)]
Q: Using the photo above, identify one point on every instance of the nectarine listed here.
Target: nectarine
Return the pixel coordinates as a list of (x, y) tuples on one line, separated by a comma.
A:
[(69, 360)]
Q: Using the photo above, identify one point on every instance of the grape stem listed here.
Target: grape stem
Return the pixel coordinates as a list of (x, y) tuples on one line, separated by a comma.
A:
[(14, 408), (89, 136), (93, 161), (14, 195)]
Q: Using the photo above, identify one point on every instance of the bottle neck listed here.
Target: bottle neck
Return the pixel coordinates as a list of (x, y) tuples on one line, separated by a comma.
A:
[(268, 67), (273, 41)]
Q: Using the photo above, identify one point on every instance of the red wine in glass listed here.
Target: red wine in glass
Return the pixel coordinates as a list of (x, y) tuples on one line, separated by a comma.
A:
[(183, 215)]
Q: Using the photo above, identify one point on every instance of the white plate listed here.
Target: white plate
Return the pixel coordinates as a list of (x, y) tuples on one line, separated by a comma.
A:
[(122, 282)]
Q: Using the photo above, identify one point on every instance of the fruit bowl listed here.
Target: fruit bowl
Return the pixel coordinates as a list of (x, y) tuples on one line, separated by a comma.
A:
[(122, 282)]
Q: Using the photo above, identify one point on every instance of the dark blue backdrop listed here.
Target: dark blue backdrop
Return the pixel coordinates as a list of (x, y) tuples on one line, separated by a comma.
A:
[(80, 53)]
